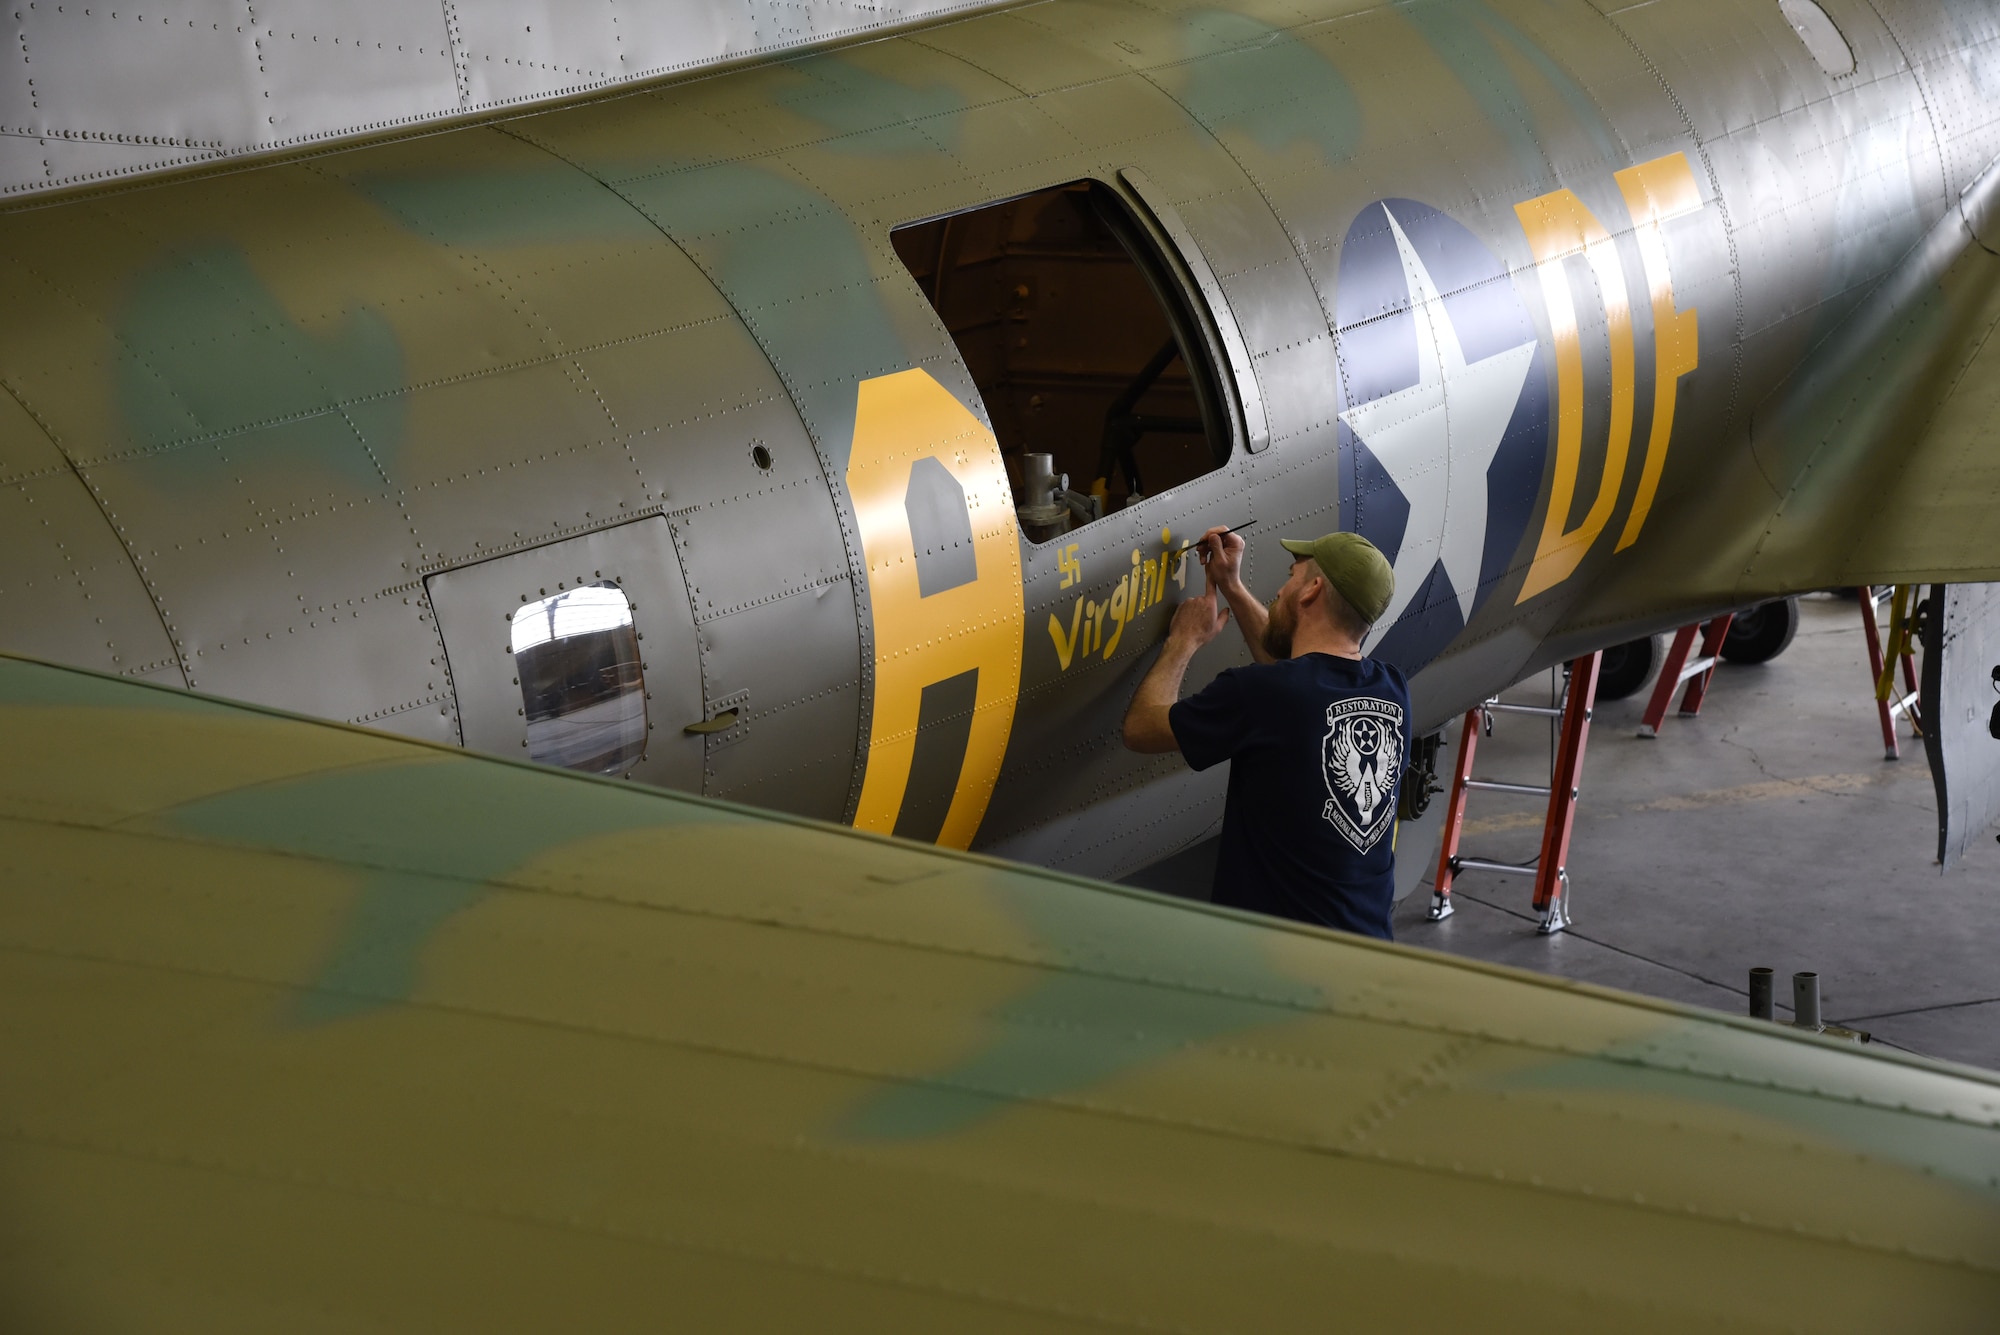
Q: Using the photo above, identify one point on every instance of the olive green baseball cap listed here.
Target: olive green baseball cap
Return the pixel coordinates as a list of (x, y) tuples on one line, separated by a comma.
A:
[(1354, 566)]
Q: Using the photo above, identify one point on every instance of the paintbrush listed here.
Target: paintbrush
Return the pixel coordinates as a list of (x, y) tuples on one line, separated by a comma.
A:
[(1204, 537)]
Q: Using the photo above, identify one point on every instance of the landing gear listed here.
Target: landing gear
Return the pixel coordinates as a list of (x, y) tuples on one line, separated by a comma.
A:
[(1626, 667), (1755, 636), (1761, 634)]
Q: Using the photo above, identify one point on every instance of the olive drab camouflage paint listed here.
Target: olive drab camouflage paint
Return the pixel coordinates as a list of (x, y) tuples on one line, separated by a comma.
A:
[(322, 1028), (615, 432), (1596, 318)]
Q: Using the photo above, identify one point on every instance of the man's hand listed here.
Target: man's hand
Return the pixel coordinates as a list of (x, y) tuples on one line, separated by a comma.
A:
[(1195, 623), (1222, 559)]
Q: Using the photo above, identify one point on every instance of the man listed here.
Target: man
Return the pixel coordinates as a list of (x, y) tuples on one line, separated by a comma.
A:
[(1317, 734)]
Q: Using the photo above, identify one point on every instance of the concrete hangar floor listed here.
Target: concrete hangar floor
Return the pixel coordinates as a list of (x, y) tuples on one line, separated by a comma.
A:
[(1768, 830)]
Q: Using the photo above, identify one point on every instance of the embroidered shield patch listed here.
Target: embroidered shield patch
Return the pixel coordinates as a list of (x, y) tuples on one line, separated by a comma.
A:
[(1362, 754)]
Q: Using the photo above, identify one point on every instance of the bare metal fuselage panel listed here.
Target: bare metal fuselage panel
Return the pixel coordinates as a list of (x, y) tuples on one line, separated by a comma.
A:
[(1595, 321)]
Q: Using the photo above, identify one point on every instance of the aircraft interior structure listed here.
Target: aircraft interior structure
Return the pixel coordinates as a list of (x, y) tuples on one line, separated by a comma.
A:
[(1080, 340)]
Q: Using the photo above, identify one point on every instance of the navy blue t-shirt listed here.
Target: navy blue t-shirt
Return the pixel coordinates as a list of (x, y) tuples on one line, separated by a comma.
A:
[(1317, 745)]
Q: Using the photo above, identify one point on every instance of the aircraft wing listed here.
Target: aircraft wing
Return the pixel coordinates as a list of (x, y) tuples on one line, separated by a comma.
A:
[(311, 1028), (95, 100)]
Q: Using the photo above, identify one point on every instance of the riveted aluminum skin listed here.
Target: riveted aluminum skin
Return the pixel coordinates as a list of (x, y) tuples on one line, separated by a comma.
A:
[(1961, 693), (1735, 292), (323, 1028), (99, 94)]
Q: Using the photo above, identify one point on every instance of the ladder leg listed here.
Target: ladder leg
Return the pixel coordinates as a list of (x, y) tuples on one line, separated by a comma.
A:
[(1670, 677), (1914, 714), (1906, 601), (1552, 871), (1711, 645), (1454, 819), (1871, 631)]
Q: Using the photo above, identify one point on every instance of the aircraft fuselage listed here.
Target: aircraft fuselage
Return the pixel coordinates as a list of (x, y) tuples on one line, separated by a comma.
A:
[(1502, 286)]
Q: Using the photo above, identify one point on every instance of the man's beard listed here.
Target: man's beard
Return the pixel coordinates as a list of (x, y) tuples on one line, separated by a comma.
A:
[(1278, 627)]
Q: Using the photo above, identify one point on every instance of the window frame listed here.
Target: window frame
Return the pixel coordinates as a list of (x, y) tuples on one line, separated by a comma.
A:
[(1183, 286)]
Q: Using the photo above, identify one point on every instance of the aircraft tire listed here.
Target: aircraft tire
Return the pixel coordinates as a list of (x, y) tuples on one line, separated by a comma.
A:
[(1761, 633), (1625, 667)]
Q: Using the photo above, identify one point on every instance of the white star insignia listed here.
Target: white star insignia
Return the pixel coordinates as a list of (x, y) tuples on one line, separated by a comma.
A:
[(1436, 440)]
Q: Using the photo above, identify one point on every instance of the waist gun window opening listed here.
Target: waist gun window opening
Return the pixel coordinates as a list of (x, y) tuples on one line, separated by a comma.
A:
[(1092, 365)]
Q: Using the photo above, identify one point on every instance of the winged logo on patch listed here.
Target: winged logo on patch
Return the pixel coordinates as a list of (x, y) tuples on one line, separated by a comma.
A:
[(1362, 755)]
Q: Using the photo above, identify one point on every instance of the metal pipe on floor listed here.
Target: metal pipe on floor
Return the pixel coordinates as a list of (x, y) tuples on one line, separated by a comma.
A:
[(1805, 1001), (1760, 993)]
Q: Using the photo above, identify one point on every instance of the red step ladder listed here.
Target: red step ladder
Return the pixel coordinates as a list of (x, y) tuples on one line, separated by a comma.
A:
[(1889, 702), (1550, 869), (1678, 668)]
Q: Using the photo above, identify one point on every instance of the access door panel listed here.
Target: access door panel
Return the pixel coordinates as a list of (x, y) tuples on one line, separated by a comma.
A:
[(579, 654)]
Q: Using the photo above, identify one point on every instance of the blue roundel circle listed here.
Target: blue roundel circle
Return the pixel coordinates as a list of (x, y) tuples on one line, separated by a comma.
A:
[(1444, 417)]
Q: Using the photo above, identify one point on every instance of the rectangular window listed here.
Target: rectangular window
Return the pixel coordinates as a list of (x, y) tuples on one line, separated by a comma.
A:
[(1082, 344), (577, 657)]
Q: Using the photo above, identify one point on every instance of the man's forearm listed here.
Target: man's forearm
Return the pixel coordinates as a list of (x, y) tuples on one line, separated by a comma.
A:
[(1147, 726), (1251, 617)]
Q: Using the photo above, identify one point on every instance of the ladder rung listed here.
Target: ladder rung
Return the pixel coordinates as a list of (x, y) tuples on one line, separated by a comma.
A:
[(1481, 864), (1542, 711), (1493, 786), (1697, 667), (1903, 704)]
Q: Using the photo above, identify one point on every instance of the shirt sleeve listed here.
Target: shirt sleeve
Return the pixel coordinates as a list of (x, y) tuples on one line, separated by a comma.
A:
[(1209, 725)]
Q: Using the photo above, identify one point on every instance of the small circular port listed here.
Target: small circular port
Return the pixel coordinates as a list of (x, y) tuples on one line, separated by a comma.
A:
[(761, 456)]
